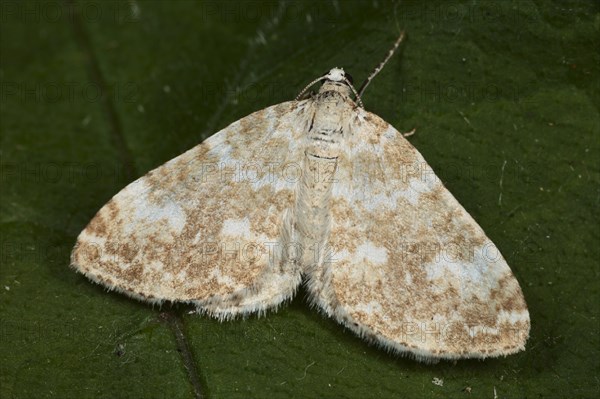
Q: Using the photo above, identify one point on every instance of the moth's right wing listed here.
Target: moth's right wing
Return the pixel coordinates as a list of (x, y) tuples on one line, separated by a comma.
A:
[(208, 226), (408, 267)]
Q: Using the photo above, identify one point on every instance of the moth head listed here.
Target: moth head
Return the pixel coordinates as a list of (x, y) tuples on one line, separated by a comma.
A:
[(338, 75), (337, 80)]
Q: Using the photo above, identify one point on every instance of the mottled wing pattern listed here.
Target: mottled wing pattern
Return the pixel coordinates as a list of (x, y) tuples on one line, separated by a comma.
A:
[(206, 226), (408, 268)]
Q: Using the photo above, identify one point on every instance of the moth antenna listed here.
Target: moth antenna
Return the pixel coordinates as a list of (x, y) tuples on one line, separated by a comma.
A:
[(308, 86), (358, 99), (382, 64)]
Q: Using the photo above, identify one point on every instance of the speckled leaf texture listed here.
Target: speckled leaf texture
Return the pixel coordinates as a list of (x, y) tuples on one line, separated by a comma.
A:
[(504, 96)]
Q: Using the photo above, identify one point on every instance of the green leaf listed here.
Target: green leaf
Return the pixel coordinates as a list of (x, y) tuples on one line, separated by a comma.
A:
[(504, 96)]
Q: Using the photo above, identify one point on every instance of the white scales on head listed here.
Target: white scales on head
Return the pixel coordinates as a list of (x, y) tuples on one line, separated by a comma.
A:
[(321, 191)]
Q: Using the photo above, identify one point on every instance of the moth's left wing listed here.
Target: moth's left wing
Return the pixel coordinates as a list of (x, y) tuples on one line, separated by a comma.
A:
[(407, 266), (207, 227)]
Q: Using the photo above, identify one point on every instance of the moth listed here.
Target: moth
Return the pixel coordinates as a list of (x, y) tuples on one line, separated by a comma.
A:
[(315, 191)]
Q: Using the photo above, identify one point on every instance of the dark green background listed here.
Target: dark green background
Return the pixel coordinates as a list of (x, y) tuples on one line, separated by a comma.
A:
[(504, 96)]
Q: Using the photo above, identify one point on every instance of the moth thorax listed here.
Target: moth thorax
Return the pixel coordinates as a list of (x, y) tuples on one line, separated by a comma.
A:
[(326, 129), (340, 87)]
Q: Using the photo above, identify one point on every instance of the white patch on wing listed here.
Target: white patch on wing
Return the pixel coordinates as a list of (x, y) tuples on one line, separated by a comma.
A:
[(148, 212), (381, 200), (370, 308), (138, 188), (512, 317), (481, 329), (442, 270), (220, 278), (156, 266), (182, 275), (236, 228), (372, 253), (197, 237), (216, 139), (378, 199)]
